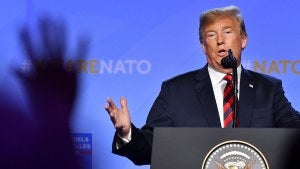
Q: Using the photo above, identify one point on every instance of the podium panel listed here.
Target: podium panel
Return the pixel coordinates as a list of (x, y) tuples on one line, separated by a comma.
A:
[(217, 148)]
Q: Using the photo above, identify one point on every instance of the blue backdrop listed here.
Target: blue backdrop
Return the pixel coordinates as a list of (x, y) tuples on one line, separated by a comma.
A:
[(135, 45)]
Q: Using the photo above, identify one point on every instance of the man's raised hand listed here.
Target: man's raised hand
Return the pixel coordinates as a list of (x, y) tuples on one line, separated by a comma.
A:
[(119, 117)]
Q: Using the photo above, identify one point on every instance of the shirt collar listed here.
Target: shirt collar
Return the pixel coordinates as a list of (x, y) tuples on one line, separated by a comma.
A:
[(216, 76)]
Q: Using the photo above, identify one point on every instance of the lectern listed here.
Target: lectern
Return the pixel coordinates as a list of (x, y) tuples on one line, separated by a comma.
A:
[(217, 148)]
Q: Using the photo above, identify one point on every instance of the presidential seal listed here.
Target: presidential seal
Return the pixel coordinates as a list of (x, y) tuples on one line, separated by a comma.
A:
[(235, 155)]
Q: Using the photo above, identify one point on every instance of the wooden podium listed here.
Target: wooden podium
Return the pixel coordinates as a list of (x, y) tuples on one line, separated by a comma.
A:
[(217, 148)]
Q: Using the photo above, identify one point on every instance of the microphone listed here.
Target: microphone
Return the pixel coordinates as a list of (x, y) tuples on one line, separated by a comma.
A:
[(230, 62)]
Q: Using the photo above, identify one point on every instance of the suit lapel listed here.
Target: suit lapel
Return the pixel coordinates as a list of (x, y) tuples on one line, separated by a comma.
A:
[(206, 97), (247, 99)]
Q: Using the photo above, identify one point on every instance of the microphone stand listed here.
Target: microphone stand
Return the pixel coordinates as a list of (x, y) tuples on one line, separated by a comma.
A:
[(233, 64)]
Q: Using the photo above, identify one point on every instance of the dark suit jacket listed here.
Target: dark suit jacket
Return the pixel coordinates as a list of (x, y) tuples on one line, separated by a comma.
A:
[(188, 101)]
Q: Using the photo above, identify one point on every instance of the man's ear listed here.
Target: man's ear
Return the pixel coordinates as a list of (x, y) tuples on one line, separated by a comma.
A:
[(244, 41), (203, 48)]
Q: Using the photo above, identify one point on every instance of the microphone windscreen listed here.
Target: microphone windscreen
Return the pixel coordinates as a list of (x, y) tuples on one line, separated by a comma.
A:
[(229, 61)]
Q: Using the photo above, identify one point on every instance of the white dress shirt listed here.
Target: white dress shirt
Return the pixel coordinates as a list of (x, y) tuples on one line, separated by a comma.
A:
[(218, 84)]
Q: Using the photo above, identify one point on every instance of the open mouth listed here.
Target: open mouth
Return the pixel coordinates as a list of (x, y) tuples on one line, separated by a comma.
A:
[(222, 52)]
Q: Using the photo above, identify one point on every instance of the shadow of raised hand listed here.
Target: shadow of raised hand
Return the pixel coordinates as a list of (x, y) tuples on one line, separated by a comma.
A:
[(51, 85), (52, 88)]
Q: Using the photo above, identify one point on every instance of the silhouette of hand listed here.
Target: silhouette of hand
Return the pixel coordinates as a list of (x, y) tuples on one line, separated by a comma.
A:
[(51, 85)]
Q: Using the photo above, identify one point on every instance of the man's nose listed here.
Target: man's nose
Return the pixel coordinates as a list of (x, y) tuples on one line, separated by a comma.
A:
[(220, 39)]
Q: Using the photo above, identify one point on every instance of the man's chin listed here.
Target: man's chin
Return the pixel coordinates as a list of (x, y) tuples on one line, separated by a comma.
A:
[(224, 70)]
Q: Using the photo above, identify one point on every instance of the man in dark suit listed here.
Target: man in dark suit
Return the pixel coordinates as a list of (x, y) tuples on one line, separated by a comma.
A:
[(195, 99)]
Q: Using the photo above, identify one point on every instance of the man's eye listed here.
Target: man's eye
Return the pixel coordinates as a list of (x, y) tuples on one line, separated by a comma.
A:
[(228, 31), (210, 35)]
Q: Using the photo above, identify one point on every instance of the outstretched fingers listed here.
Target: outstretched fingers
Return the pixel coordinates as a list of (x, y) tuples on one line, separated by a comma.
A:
[(110, 107), (124, 104), (119, 116), (113, 111)]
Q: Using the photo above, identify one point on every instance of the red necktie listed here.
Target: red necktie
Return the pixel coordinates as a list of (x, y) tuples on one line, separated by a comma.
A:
[(228, 100)]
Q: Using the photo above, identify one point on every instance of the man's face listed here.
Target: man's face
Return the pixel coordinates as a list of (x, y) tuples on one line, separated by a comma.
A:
[(218, 38)]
